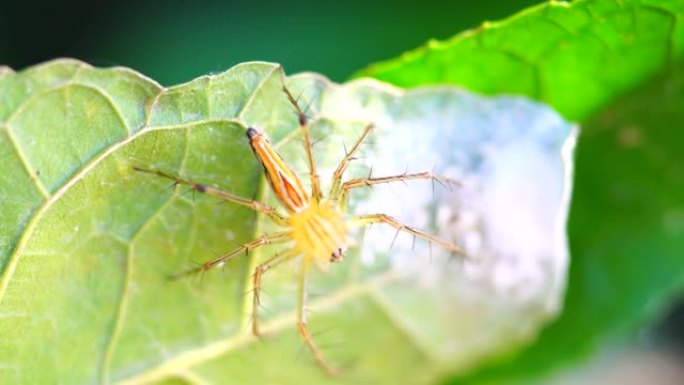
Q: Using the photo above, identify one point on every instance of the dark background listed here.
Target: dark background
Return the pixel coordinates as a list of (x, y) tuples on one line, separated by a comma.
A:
[(175, 41)]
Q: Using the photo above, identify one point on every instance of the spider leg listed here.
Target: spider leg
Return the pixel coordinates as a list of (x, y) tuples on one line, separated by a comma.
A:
[(256, 284), (302, 322), (308, 146), (336, 187), (204, 189), (369, 181), (364, 220), (279, 237)]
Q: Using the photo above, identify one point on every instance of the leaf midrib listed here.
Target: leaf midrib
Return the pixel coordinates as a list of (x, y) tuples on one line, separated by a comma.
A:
[(189, 358)]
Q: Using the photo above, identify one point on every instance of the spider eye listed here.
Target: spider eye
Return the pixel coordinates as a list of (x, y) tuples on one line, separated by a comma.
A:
[(338, 254)]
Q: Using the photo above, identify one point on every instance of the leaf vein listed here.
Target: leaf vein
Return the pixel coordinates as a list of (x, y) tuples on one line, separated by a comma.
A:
[(404, 326), (33, 223), (210, 351), (250, 100), (122, 305), (33, 176)]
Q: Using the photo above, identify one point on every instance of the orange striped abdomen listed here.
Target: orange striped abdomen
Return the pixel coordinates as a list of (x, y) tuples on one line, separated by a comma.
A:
[(284, 182)]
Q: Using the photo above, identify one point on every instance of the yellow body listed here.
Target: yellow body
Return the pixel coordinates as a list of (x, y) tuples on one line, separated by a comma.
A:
[(319, 233), (317, 227)]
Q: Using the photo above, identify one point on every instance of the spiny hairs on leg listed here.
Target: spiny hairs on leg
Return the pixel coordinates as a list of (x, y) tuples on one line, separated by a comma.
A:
[(369, 219), (259, 271), (336, 185), (301, 115), (211, 191), (302, 319), (370, 181), (279, 237), (365, 182), (316, 193), (339, 190)]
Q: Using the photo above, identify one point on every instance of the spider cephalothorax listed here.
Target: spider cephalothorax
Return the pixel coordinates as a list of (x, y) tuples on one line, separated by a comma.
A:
[(316, 224), (320, 233)]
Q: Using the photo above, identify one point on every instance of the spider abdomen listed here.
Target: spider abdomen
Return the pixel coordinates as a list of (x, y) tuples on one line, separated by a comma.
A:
[(320, 233)]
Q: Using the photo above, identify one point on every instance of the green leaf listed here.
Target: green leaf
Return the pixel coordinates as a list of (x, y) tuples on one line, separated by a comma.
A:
[(626, 230), (88, 244), (576, 57), (625, 233)]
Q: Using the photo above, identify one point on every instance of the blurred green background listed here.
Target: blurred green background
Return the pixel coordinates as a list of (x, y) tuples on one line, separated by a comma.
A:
[(177, 40)]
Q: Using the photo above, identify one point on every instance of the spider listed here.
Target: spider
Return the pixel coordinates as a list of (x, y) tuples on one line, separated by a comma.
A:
[(316, 223)]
